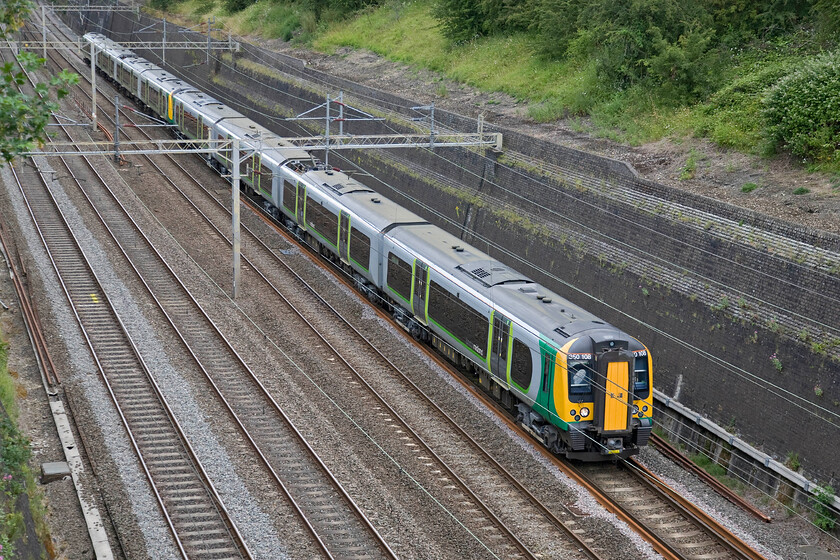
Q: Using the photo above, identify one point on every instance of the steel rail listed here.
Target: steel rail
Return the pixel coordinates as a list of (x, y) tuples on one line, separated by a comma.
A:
[(541, 507), (31, 320), (205, 481), (326, 471), (724, 536), (674, 454), (484, 507)]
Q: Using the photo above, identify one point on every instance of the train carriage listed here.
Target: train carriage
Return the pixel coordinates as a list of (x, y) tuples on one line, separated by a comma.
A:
[(581, 386)]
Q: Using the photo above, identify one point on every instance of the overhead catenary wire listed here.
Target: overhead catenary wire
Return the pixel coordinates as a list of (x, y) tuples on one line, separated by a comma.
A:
[(756, 379), (779, 391), (438, 155)]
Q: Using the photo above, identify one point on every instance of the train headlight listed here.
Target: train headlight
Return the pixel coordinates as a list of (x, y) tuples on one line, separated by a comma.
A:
[(584, 412), (635, 409), (573, 412), (645, 408)]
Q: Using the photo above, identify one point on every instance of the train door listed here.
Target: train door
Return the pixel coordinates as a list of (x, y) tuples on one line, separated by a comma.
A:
[(499, 347), (418, 298), (170, 113), (613, 397), (344, 237), (547, 379), (301, 205)]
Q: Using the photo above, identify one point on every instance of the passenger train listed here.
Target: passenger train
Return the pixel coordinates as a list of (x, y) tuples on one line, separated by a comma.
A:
[(582, 387)]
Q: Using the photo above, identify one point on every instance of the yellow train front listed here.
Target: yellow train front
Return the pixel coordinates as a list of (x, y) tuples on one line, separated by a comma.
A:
[(595, 401)]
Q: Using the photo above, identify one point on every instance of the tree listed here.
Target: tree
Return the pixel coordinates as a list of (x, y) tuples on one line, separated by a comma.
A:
[(24, 117)]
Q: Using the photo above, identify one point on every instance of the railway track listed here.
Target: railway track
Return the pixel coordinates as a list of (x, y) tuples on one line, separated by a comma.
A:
[(683, 530), (464, 502), (676, 456), (200, 526), (337, 524)]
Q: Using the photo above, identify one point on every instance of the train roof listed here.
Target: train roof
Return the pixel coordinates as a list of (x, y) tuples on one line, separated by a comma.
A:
[(380, 212), (212, 109), (166, 81), (280, 151), (509, 290), (109, 46)]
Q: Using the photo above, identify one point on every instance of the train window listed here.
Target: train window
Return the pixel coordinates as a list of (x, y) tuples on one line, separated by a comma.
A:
[(640, 377), (324, 222), (190, 123), (399, 276), (360, 248), (289, 194), (154, 99), (458, 319), (263, 180), (580, 377), (521, 364), (226, 153)]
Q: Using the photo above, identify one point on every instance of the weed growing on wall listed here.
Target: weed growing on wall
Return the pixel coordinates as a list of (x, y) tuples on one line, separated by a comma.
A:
[(792, 461)]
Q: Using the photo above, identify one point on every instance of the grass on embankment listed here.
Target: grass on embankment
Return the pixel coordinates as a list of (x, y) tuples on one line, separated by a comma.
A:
[(730, 117), (407, 32)]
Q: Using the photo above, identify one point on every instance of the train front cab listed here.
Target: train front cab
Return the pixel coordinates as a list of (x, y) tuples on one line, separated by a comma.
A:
[(601, 397)]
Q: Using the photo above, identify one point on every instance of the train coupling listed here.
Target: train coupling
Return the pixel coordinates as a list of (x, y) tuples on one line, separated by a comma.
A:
[(612, 446)]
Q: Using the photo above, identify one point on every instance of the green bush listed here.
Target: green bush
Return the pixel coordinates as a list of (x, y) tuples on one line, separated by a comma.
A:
[(744, 20), (163, 5), (802, 110), (235, 5), (827, 18), (823, 515)]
